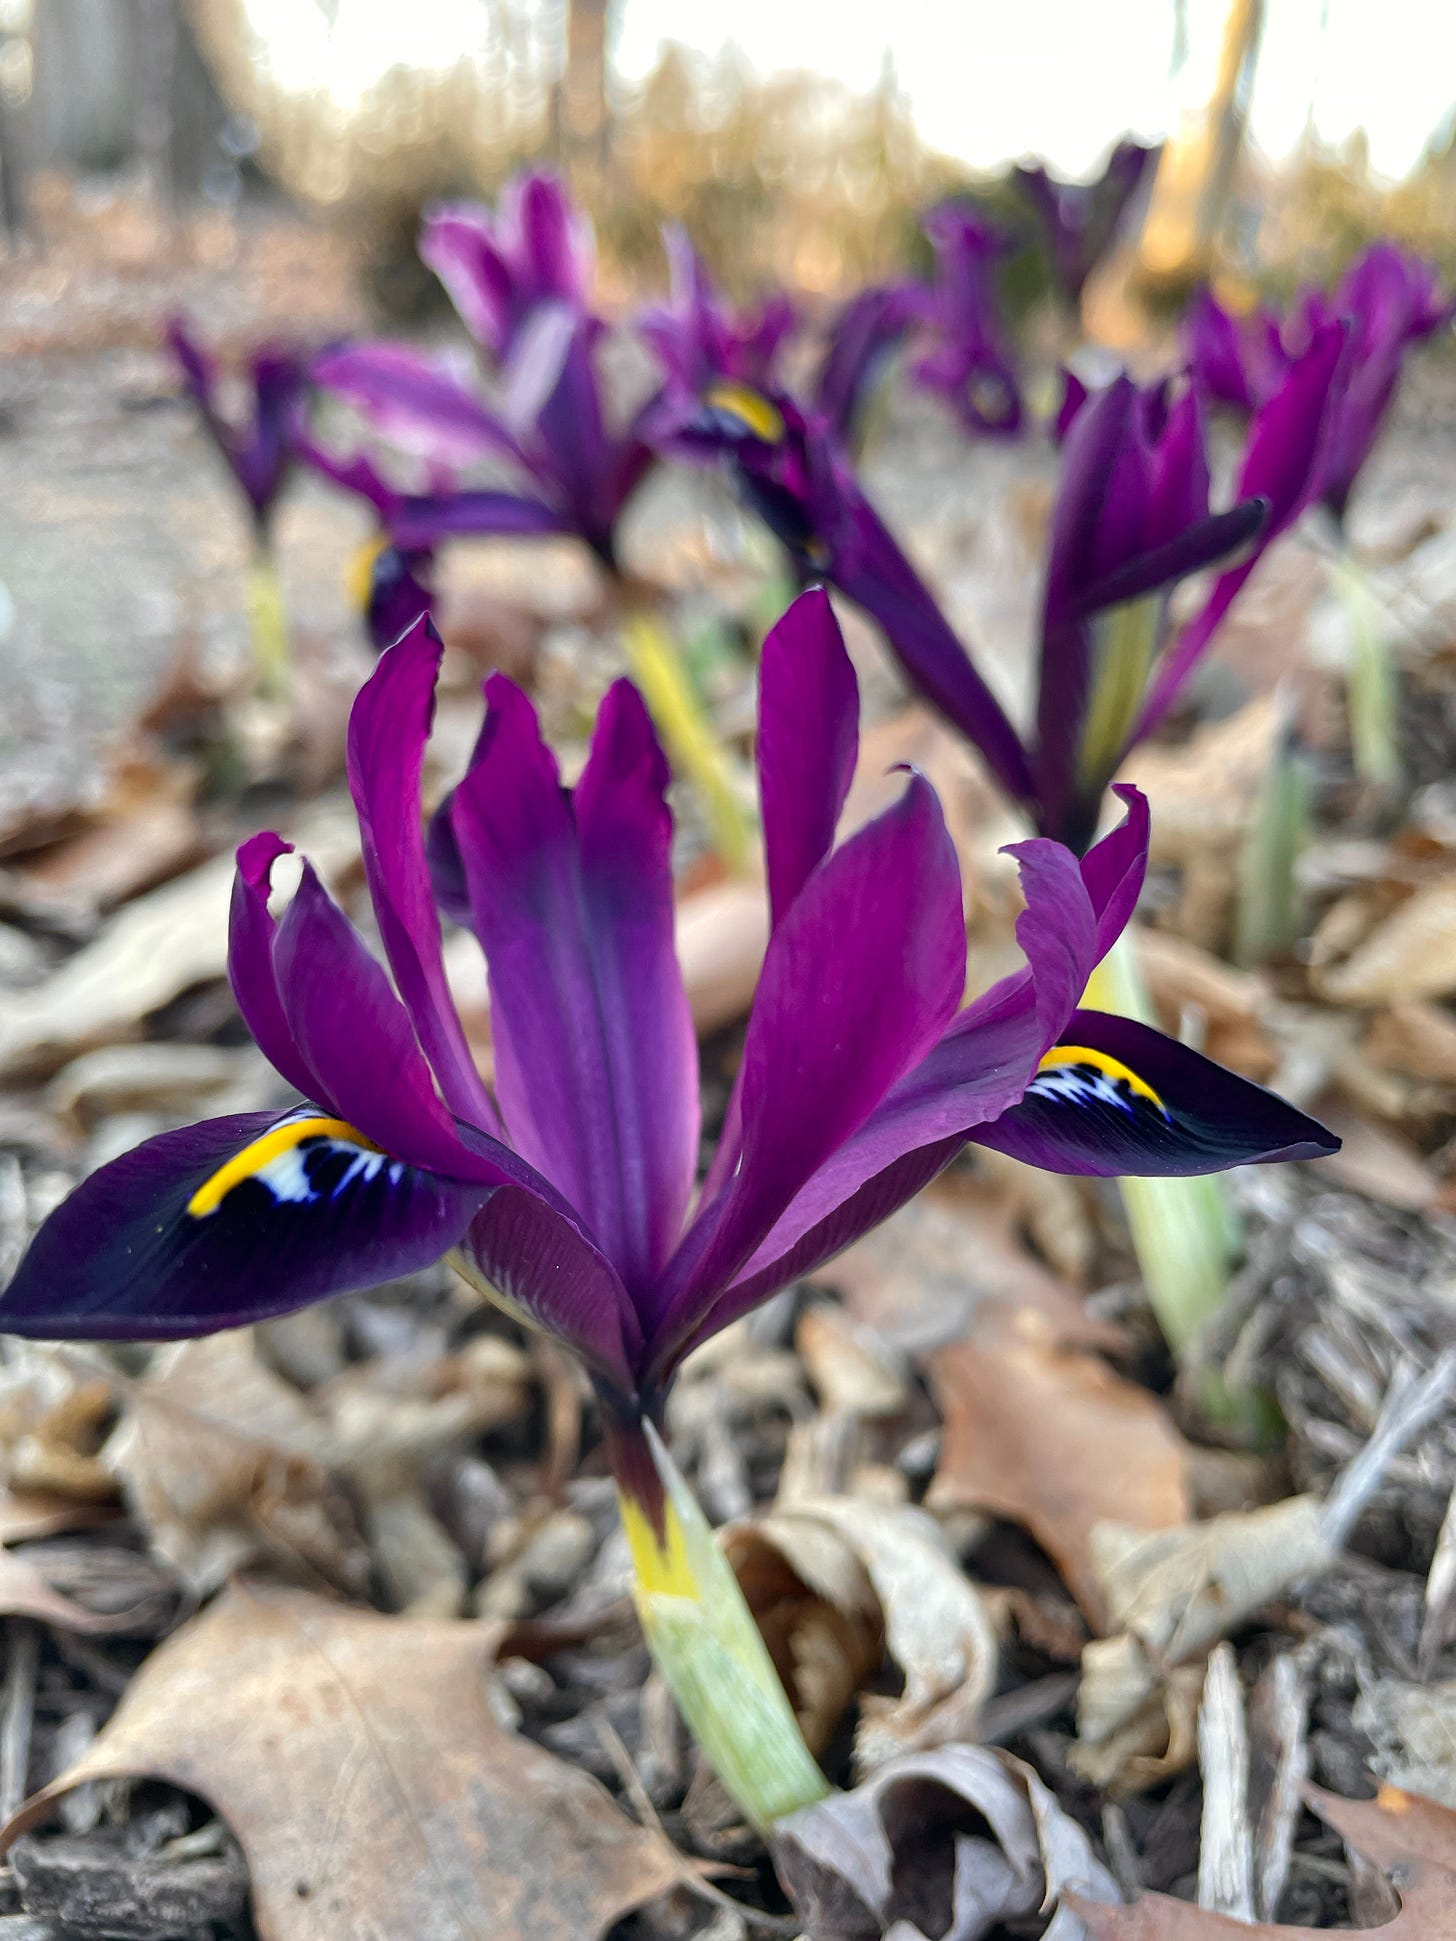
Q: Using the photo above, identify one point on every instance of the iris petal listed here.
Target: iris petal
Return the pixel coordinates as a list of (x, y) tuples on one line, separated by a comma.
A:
[(1118, 1098), (228, 1222)]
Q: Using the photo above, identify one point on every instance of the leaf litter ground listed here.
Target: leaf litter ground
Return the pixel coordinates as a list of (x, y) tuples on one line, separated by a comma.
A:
[(324, 1630)]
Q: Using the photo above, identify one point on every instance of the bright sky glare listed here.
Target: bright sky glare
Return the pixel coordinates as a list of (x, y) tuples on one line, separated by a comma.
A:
[(985, 80)]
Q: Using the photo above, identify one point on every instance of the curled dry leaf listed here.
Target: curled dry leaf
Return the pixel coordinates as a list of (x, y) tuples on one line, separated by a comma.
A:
[(872, 1571), (357, 1761), (1050, 1437), (1171, 1595), (948, 1844), (1396, 1825)]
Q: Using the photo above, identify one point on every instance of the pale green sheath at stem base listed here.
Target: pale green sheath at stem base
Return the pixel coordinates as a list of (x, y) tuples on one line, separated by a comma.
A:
[(704, 1641), (1184, 1232), (1370, 685), (268, 625)]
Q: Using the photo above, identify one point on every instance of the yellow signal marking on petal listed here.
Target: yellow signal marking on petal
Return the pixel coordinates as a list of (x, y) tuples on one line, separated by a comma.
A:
[(253, 1158), (763, 418), (359, 572), (1061, 1056), (662, 1564)]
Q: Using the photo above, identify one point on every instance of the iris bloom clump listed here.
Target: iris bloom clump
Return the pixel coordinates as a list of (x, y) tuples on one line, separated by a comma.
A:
[(1080, 221), (1131, 519), (569, 1190), (1386, 302)]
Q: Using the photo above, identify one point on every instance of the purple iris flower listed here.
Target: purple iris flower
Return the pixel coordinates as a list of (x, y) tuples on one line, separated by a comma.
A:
[(1132, 519), (967, 362), (518, 281), (255, 446), (861, 342), (567, 469), (569, 1190), (1080, 221), (699, 341), (1387, 301), (500, 270)]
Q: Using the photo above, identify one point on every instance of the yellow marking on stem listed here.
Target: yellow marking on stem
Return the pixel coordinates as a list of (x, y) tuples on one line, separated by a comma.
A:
[(359, 572), (763, 418), (253, 1158), (657, 668), (662, 1566), (1062, 1056)]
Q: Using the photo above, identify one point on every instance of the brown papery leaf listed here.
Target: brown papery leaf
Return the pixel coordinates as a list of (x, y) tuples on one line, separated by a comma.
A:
[(1412, 954), (1050, 1437), (1427, 1913), (356, 1759), (1394, 1826)]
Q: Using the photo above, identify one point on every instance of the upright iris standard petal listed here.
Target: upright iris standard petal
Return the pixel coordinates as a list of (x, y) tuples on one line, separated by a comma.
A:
[(808, 740), (257, 447), (498, 269), (862, 341), (989, 1052), (229, 1222), (1283, 464), (416, 401), (1081, 220), (595, 1060), (967, 361), (861, 977), (1116, 1098), (251, 969), (388, 728), (1131, 519), (698, 340)]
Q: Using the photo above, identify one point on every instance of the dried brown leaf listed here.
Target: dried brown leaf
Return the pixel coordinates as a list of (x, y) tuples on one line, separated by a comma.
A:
[(945, 1263), (1396, 1825), (357, 1761), (1427, 1913), (1377, 1161), (1412, 954), (1050, 1437), (148, 954), (223, 1466), (950, 1843)]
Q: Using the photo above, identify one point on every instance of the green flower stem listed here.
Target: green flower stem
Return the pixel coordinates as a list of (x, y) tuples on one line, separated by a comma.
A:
[(703, 1638), (1269, 912), (1183, 1230), (1185, 1234), (1370, 690), (268, 623)]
